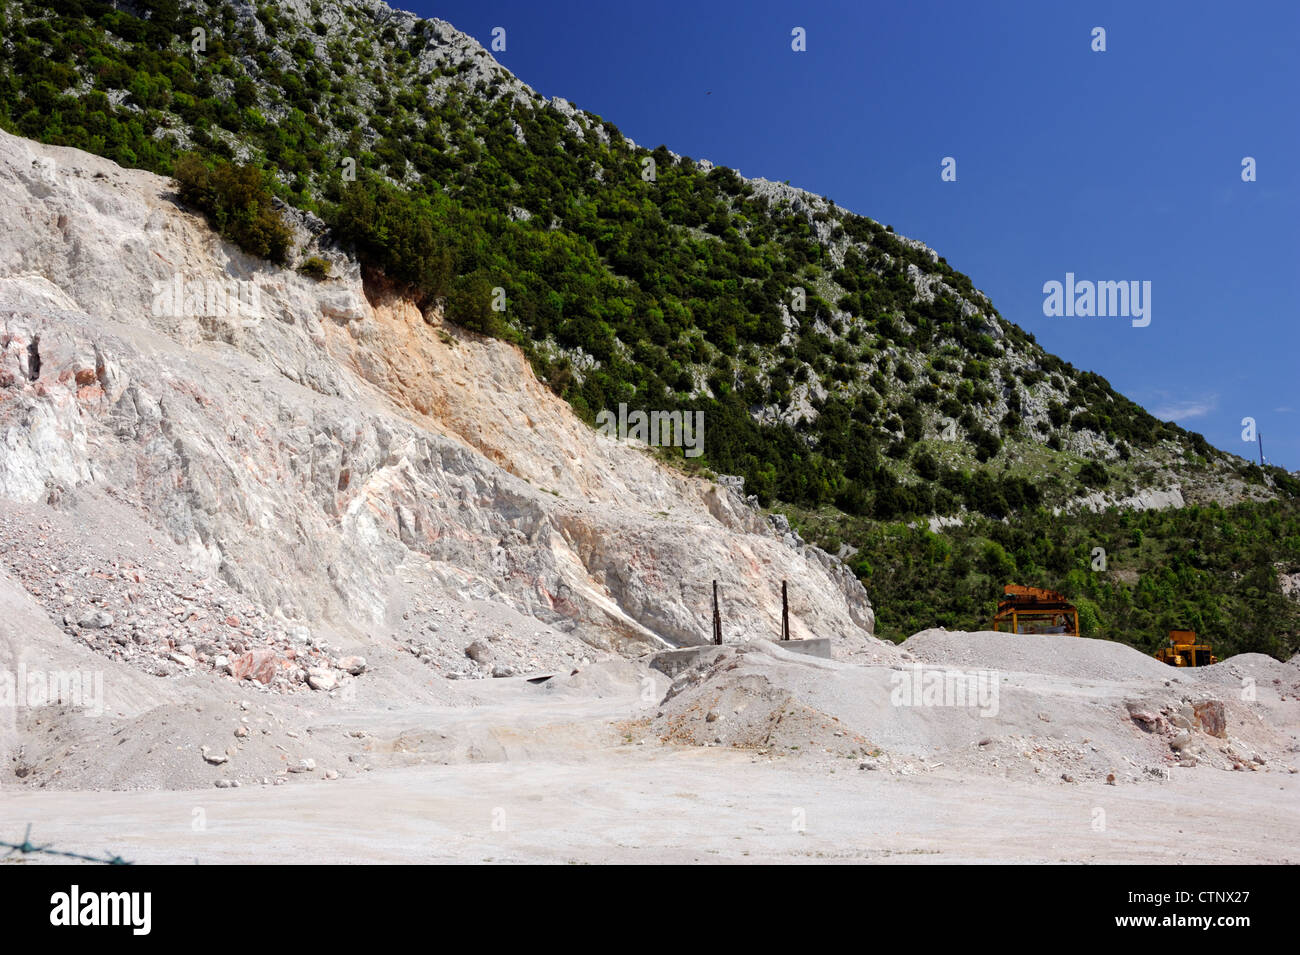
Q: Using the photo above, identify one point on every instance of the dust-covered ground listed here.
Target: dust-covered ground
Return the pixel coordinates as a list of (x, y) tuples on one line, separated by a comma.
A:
[(648, 805), (1059, 750)]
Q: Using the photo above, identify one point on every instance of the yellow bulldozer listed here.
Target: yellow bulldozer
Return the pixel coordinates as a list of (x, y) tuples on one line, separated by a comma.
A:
[(1185, 651)]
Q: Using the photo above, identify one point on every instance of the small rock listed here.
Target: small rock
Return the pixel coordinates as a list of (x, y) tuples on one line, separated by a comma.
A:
[(177, 657), (1212, 718), (331, 774), (1147, 720), (320, 678), (216, 759), (259, 665), (95, 620), (479, 652), (353, 665)]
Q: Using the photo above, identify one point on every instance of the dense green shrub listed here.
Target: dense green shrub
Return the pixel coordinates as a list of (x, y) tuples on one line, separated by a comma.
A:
[(315, 267), (239, 203), (1093, 474)]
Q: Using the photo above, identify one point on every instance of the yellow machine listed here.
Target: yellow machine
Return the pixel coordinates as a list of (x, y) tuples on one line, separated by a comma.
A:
[(1184, 651), (1035, 610)]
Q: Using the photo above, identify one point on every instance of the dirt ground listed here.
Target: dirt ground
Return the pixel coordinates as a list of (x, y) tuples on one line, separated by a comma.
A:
[(1054, 749), (651, 806), (576, 772)]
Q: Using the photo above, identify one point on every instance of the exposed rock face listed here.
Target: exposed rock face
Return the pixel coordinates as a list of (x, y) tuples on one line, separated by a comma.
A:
[(311, 444), (1145, 499)]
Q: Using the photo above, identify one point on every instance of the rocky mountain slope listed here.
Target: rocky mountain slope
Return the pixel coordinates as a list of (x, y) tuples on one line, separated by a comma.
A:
[(809, 329), (333, 457)]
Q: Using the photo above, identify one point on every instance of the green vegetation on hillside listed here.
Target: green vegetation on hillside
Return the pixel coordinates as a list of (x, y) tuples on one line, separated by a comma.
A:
[(1210, 569)]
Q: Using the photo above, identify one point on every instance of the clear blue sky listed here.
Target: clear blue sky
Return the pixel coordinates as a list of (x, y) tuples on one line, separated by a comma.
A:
[(1122, 165)]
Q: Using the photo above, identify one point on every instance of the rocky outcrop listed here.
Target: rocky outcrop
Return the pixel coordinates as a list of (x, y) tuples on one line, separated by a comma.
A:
[(316, 444), (1145, 499), (1290, 584)]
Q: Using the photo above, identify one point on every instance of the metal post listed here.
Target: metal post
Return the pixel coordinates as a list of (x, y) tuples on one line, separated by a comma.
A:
[(1260, 436), (717, 617), (785, 612)]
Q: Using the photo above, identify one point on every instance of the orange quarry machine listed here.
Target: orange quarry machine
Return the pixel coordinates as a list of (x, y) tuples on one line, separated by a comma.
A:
[(1035, 610), (1185, 651)]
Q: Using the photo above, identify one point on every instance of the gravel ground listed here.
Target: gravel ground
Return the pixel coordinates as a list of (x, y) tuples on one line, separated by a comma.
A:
[(649, 805)]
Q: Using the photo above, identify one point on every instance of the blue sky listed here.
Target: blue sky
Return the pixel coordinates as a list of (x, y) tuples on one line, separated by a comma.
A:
[(1116, 165)]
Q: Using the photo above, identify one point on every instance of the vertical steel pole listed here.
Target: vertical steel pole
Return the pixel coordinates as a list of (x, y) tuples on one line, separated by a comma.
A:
[(785, 612), (717, 617)]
